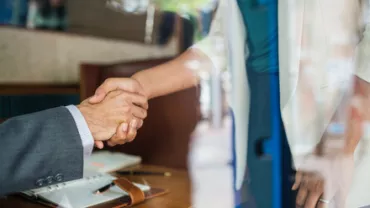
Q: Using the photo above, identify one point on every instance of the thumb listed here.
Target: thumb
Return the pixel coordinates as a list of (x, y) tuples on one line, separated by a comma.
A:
[(97, 97), (99, 144)]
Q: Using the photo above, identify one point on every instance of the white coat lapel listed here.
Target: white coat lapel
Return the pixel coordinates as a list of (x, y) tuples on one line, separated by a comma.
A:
[(240, 95)]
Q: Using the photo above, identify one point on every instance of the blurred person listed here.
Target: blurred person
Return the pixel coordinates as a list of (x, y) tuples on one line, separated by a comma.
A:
[(238, 40), (49, 15), (49, 147), (225, 47)]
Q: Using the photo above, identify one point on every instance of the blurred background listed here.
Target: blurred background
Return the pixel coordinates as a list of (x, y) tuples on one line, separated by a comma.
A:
[(43, 43), (57, 52)]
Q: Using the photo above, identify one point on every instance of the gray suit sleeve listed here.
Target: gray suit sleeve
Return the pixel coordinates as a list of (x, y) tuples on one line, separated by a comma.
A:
[(39, 149)]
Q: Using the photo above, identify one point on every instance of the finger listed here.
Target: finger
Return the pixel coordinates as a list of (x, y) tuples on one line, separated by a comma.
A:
[(322, 204), (111, 84), (131, 136), (132, 131), (99, 144), (301, 196), (298, 179), (120, 136), (97, 97), (140, 123), (118, 141), (133, 125), (312, 199), (100, 96), (310, 181), (111, 144), (139, 112), (315, 183), (139, 100)]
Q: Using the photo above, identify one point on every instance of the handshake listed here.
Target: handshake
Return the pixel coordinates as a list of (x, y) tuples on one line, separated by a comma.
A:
[(116, 111)]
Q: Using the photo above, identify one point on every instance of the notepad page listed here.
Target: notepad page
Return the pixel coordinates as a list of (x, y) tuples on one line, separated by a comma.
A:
[(106, 161), (80, 195)]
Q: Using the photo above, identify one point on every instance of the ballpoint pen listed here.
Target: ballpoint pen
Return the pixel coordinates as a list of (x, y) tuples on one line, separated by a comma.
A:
[(104, 188), (133, 172)]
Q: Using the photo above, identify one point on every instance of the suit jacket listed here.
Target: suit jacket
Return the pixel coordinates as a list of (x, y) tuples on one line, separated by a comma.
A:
[(39, 149)]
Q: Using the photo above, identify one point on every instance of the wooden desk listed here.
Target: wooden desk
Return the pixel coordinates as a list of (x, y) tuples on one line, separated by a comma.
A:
[(178, 185)]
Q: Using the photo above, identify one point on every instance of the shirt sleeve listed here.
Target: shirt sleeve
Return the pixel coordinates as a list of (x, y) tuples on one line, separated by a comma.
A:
[(83, 129)]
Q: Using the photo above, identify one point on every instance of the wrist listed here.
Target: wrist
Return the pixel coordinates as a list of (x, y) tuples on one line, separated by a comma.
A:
[(140, 79), (327, 149), (84, 113)]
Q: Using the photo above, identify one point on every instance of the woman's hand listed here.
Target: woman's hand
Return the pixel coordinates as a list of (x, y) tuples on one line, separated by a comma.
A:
[(324, 180), (127, 130)]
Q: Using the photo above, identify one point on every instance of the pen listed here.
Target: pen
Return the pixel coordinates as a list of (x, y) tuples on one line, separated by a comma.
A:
[(104, 188), (132, 172)]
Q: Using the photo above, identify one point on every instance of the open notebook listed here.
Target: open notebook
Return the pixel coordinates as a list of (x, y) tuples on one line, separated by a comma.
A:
[(106, 161), (79, 193)]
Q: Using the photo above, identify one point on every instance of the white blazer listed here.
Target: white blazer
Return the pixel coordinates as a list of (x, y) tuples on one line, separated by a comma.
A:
[(225, 46)]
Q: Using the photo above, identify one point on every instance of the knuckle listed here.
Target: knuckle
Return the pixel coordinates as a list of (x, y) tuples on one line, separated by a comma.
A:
[(131, 135), (141, 123), (108, 82), (124, 98), (118, 138), (131, 86), (126, 109), (121, 101), (130, 140), (134, 85)]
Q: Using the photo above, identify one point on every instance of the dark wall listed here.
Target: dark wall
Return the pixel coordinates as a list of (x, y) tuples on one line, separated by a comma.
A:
[(22, 104)]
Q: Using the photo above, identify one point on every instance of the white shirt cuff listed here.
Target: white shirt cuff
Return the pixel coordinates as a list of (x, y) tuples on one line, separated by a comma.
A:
[(83, 129)]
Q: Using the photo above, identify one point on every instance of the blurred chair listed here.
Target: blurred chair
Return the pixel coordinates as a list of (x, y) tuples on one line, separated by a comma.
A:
[(164, 138)]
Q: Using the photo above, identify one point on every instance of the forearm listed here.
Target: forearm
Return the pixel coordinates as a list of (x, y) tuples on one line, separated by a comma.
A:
[(176, 75), (356, 117), (360, 114)]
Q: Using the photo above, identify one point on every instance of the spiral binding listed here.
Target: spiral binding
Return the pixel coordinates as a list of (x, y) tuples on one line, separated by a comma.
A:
[(59, 186)]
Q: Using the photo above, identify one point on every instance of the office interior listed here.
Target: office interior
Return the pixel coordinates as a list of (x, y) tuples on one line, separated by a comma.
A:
[(58, 52)]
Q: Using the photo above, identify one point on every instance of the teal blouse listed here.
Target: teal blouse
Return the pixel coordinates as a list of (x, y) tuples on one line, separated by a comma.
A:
[(260, 36)]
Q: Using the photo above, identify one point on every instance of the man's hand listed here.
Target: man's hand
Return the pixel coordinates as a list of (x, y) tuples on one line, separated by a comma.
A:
[(114, 114)]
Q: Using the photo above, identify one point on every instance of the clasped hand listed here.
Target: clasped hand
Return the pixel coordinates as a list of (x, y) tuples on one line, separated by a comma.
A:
[(115, 112)]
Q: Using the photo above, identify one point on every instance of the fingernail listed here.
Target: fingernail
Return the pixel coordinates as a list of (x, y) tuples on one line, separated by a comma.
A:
[(134, 123), (294, 187), (124, 127)]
